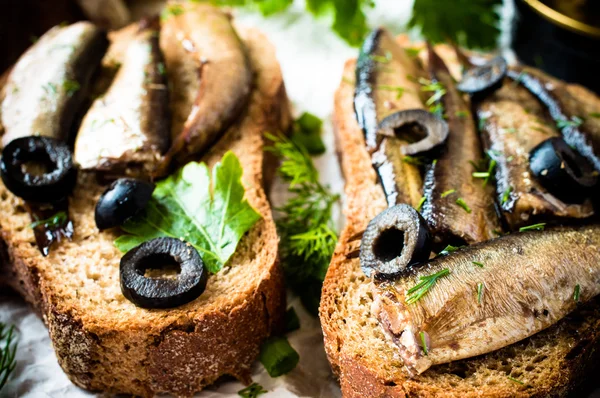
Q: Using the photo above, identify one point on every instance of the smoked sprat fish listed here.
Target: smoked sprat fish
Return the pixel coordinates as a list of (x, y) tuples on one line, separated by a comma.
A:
[(489, 295)]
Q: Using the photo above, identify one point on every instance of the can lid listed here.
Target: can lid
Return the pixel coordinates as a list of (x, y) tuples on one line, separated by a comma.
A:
[(582, 16)]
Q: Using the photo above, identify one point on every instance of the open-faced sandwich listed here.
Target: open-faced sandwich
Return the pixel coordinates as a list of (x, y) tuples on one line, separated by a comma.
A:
[(470, 261), (134, 216)]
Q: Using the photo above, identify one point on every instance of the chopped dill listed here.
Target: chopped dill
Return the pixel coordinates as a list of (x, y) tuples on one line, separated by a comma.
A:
[(415, 293)]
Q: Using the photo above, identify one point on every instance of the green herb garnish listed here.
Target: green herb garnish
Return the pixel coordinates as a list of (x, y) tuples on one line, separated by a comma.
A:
[(574, 122), (534, 227), (461, 202), (382, 59), (511, 130), (477, 263), (481, 174), (595, 115), (412, 52), (399, 90), (8, 351), (424, 343), (481, 122), (171, 10), (449, 249), (70, 86), (506, 195), (515, 380), (292, 322), (479, 292), (448, 192), (414, 160), (421, 203), (415, 293), (278, 356), (51, 222), (252, 391), (436, 88), (576, 293), (461, 114), (210, 213), (161, 68), (307, 132), (305, 226)]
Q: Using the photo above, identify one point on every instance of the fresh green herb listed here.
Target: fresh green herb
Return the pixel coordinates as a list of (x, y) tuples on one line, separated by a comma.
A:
[(8, 351), (497, 233), (56, 220), (305, 226), (412, 52), (481, 122), (449, 249), (307, 133), (481, 174), (574, 122), (595, 115), (50, 88), (534, 227), (424, 343), (399, 90), (171, 10), (515, 380), (252, 391), (448, 192), (510, 158), (415, 293), (461, 202), (161, 68), (421, 203), (382, 59), (469, 23), (292, 322), (506, 195), (211, 214), (437, 109), (486, 175), (414, 160), (436, 88), (461, 114), (479, 292), (70, 86), (278, 356), (271, 7), (577, 293), (477, 263), (434, 162)]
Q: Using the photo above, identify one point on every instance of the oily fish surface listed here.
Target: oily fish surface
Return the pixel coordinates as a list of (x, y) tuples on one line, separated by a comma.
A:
[(529, 283)]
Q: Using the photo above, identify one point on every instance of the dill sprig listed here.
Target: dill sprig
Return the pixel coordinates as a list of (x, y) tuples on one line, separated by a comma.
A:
[(461, 202), (477, 263), (577, 293), (437, 91), (534, 227), (305, 225), (51, 222), (8, 350), (480, 287), (415, 293), (424, 343)]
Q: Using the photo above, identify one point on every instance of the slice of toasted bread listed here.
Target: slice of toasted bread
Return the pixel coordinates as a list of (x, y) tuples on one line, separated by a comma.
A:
[(103, 341), (551, 363)]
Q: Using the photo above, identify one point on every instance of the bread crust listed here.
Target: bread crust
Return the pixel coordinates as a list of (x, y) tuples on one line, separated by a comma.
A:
[(554, 362), (118, 348)]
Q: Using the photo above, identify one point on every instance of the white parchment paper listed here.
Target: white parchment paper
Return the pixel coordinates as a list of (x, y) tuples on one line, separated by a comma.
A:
[(312, 58)]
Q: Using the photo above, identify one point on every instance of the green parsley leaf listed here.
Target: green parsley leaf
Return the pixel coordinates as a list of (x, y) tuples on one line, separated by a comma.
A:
[(477, 263), (461, 202), (211, 214), (8, 351), (480, 287), (470, 23), (278, 356), (307, 132), (534, 227), (577, 293), (448, 192), (292, 322), (415, 293), (52, 222), (70, 86), (252, 391), (424, 343)]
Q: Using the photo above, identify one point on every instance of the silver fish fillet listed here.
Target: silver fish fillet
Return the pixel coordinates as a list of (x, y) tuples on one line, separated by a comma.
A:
[(524, 283)]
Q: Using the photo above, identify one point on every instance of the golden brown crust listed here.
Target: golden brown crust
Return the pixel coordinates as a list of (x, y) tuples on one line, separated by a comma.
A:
[(105, 343), (551, 363)]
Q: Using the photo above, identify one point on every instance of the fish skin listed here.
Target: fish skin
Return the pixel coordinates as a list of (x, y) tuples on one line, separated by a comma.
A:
[(37, 98), (126, 130), (513, 123), (401, 181), (447, 221), (562, 105), (529, 283), (211, 77)]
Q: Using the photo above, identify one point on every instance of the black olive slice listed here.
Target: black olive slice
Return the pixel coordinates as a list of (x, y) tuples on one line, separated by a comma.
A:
[(396, 238), (122, 200), (435, 128), (38, 169), (562, 171), (483, 79), (162, 292)]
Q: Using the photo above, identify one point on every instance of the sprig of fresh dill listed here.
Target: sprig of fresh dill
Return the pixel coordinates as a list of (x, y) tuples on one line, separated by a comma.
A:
[(305, 225), (8, 350), (415, 293)]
